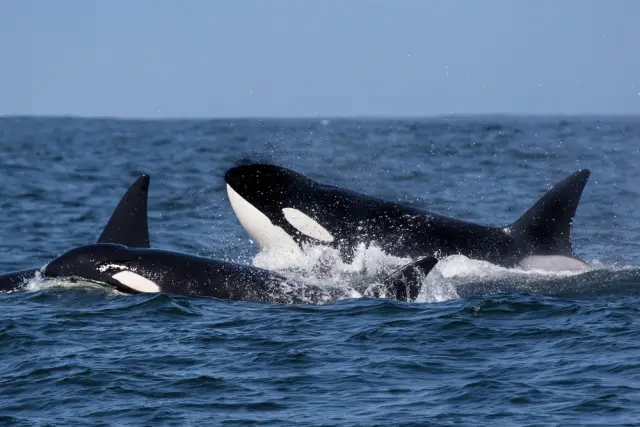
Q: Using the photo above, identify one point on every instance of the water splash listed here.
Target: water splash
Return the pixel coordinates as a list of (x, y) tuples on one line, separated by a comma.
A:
[(453, 277)]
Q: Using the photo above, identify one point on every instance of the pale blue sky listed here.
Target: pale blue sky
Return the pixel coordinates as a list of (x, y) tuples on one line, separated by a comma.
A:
[(215, 58)]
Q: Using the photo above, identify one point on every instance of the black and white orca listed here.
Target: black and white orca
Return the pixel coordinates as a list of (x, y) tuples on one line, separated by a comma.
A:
[(282, 209), (132, 267), (127, 225), (132, 270)]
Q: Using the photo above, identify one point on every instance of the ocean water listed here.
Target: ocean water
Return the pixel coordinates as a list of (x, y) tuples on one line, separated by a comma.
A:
[(483, 345)]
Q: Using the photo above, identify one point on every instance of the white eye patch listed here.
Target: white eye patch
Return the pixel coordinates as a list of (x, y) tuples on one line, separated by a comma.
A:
[(136, 282), (306, 225)]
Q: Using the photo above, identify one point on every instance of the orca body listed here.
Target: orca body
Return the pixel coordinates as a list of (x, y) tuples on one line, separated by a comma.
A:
[(132, 270), (127, 225), (282, 209)]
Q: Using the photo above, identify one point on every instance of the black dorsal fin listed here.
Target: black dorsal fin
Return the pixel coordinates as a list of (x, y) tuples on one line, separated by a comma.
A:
[(128, 225), (405, 282), (545, 229)]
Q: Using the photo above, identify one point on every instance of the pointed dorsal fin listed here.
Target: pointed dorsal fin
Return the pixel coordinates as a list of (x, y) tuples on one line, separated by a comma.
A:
[(128, 225), (545, 229)]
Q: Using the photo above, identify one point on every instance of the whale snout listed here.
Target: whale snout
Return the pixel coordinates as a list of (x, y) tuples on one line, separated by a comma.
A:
[(258, 176), (247, 174)]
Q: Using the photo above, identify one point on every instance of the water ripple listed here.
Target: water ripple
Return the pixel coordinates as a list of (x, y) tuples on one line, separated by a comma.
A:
[(485, 347)]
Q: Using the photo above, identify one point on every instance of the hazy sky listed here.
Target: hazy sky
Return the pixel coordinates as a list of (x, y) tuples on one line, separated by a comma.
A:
[(224, 58)]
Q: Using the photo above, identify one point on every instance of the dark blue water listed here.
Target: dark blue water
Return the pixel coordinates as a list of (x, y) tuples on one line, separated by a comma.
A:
[(483, 346)]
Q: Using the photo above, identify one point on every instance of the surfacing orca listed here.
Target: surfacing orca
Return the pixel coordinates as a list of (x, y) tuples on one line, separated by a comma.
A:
[(282, 209), (132, 270), (127, 225)]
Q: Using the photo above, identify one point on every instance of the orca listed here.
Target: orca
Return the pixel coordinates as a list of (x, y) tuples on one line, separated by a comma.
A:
[(134, 270), (127, 225), (282, 209)]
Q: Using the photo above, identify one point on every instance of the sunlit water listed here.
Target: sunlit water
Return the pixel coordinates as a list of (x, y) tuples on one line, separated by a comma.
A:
[(484, 345)]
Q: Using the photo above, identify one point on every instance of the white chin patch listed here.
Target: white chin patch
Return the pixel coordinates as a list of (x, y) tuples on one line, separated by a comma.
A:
[(306, 225), (136, 282), (553, 263), (266, 235)]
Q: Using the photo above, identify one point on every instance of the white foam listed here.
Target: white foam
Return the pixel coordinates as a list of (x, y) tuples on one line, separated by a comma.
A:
[(358, 278), (321, 264)]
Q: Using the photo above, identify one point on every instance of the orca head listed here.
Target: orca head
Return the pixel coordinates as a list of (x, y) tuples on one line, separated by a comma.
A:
[(109, 263), (275, 206)]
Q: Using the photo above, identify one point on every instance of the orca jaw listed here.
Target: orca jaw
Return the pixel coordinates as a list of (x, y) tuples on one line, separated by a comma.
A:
[(261, 229)]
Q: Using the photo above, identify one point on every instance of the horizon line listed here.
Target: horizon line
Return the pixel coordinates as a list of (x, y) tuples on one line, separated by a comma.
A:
[(321, 117)]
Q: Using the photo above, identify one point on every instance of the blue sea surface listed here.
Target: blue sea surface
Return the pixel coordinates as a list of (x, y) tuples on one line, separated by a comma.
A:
[(483, 346)]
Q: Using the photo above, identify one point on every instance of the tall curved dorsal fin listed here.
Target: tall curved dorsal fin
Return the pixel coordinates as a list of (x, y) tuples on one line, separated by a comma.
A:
[(128, 224), (545, 229)]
